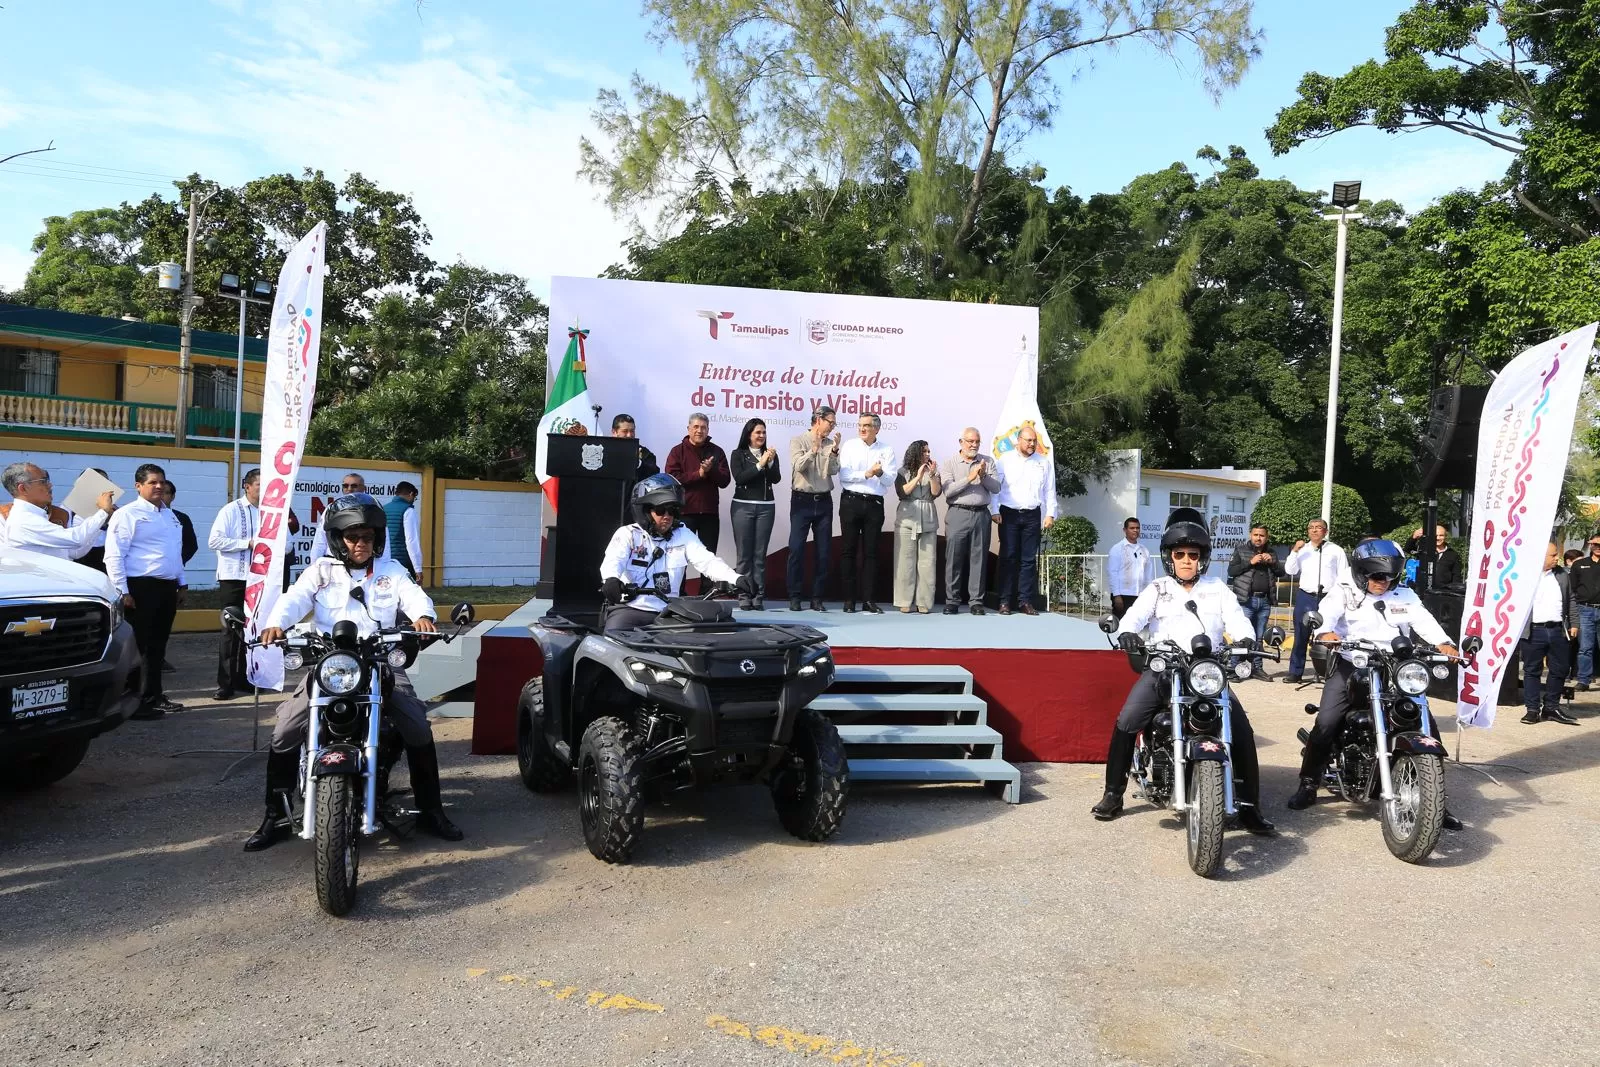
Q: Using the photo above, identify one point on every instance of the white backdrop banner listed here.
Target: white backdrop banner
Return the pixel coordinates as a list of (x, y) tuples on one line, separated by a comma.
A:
[(292, 349), (660, 351), (1524, 435)]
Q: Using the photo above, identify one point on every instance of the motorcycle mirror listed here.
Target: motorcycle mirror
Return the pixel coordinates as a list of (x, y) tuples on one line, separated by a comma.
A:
[(1471, 645), (345, 634), (232, 615), (1276, 636), (1313, 621), (463, 614), (1108, 623)]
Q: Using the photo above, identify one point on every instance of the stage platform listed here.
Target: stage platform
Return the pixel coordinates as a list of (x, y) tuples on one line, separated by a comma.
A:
[(1052, 685)]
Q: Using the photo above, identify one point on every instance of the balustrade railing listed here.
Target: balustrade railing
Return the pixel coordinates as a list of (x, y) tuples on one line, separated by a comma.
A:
[(118, 417)]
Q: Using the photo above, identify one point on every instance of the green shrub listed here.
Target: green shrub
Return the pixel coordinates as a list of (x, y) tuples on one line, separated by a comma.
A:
[(1286, 509), (1072, 535)]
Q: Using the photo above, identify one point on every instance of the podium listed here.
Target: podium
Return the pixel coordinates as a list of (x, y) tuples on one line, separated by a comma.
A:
[(596, 474)]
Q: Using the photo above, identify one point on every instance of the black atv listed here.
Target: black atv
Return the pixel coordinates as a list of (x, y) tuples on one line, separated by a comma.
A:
[(689, 699)]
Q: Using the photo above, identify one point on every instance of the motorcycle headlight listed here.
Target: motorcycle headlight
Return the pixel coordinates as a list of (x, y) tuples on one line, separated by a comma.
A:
[(1241, 670), (1206, 678), (339, 673), (1359, 660), (1411, 678), (293, 661), (1441, 671), (1158, 665)]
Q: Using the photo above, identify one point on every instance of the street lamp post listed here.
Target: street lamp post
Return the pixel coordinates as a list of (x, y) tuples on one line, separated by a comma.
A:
[(197, 204), (1346, 195), (259, 293)]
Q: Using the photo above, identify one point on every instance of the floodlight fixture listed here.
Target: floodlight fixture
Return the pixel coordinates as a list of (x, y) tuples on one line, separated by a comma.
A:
[(1346, 194), (229, 285), (261, 290)]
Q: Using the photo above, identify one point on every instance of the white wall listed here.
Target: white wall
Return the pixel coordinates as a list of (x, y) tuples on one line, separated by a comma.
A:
[(1229, 526), (316, 487), (1110, 500), (202, 491), (491, 537)]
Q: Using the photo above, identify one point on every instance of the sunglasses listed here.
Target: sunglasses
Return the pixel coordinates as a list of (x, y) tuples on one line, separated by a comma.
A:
[(669, 509), (1185, 553), (354, 538)]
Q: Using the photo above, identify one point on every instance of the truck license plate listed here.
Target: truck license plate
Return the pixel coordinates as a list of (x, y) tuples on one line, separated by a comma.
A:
[(38, 699)]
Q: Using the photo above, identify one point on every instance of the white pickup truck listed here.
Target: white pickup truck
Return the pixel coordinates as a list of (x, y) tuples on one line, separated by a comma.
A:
[(69, 667)]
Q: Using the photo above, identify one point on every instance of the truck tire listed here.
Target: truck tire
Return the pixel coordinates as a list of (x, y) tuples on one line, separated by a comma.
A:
[(541, 770), (811, 800), (35, 770), (610, 789)]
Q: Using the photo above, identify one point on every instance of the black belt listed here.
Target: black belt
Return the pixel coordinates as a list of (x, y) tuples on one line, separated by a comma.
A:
[(863, 496), (1557, 623), (971, 507), (806, 492)]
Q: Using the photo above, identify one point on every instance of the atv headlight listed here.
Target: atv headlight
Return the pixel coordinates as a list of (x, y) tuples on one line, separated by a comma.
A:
[(1411, 678), (339, 673), (1206, 678), (662, 676), (1359, 660)]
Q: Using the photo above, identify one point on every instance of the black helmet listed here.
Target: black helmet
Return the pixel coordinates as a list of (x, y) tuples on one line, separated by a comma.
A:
[(654, 492), (1378, 559), (1186, 528), (349, 512)]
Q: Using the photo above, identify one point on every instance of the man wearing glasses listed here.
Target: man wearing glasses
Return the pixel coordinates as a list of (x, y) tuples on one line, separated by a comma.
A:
[(32, 521), (350, 485), (970, 480)]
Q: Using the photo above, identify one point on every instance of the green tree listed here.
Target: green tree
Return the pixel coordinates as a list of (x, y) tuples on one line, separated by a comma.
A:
[(1286, 509)]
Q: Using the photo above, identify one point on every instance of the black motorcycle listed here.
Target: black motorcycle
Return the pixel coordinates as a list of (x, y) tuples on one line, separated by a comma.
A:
[(342, 792), (1405, 773), (1185, 759)]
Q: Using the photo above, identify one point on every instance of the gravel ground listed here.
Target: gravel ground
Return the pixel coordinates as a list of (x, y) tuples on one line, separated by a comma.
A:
[(942, 926)]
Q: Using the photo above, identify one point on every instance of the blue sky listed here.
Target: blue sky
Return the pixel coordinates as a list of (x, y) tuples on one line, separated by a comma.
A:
[(475, 107)]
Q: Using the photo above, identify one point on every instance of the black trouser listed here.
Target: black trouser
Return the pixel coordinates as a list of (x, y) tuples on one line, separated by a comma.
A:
[(706, 527), (1337, 701), (95, 558), (752, 533), (1120, 605), (230, 645), (809, 513), (860, 519), (1019, 554), (1150, 694), (1545, 646), (155, 603)]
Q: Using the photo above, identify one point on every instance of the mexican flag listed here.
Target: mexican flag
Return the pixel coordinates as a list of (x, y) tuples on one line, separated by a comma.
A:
[(566, 411)]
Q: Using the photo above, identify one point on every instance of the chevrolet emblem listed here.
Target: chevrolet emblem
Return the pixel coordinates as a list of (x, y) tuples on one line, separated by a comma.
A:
[(30, 627)]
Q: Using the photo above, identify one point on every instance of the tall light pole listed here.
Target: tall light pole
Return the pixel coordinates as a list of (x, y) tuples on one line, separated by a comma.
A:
[(258, 293), (1346, 195), (181, 430)]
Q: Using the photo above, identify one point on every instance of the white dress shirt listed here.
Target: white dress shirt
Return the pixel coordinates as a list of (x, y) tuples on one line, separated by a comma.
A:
[(1319, 569), (1025, 482), (1353, 614), (143, 541), (29, 527), (1127, 564), (232, 533), (324, 588), (856, 458), (411, 525), (1547, 600), (1162, 609), (635, 557)]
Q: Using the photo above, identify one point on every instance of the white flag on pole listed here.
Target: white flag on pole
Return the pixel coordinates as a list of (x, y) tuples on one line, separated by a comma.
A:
[(292, 349), (1022, 409), (1524, 435)]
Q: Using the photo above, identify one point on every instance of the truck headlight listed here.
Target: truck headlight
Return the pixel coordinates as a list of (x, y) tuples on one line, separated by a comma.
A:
[(1206, 678), (339, 673), (1411, 678)]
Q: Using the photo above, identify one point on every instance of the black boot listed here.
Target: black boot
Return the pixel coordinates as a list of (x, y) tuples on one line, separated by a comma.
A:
[(1306, 795), (281, 770), (424, 762), (1450, 822), (1119, 759), (1252, 821)]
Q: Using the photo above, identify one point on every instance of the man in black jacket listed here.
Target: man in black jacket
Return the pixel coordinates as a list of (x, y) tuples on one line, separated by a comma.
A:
[(1446, 563), (622, 426), (1585, 582), (1252, 573), (1551, 622)]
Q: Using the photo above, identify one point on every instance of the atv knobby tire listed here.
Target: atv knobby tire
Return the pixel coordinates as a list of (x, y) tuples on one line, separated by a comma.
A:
[(610, 789), (811, 801), (541, 769)]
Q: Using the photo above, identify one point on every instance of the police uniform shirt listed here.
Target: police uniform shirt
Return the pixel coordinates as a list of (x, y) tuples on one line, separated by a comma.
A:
[(325, 587), (1353, 614), (1162, 610), (635, 557)]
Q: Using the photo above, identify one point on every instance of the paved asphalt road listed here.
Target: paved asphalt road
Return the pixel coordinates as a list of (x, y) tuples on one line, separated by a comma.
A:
[(942, 926)]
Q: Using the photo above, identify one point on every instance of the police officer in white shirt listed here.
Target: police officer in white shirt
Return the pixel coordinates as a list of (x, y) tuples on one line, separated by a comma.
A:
[(653, 551), (1024, 507), (353, 585), (1127, 564), (232, 533), (866, 474), (1162, 613), (1370, 607), (349, 485), (34, 523), (1319, 565), (144, 560)]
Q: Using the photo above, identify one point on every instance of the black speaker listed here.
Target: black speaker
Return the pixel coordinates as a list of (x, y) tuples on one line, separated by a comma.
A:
[(1447, 455)]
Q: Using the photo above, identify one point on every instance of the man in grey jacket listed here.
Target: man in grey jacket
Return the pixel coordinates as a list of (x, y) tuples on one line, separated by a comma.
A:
[(1552, 622), (1252, 574)]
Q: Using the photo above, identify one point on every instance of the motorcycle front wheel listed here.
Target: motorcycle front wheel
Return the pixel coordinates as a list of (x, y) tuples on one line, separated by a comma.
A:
[(1412, 821), (1205, 817), (338, 843)]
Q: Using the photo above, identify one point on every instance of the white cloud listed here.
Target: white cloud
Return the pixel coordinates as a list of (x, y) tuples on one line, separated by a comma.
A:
[(1414, 169)]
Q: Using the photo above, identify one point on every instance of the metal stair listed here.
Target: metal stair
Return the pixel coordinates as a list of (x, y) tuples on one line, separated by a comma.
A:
[(917, 724)]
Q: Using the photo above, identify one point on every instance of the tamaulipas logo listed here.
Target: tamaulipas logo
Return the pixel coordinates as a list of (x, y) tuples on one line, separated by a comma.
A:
[(739, 329)]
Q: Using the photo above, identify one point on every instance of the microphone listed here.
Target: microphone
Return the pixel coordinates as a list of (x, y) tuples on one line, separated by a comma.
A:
[(1381, 609), (359, 595)]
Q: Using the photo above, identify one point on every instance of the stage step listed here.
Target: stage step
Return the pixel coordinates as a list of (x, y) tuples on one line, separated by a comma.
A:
[(876, 734), (903, 674), (996, 771), (953, 705)]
